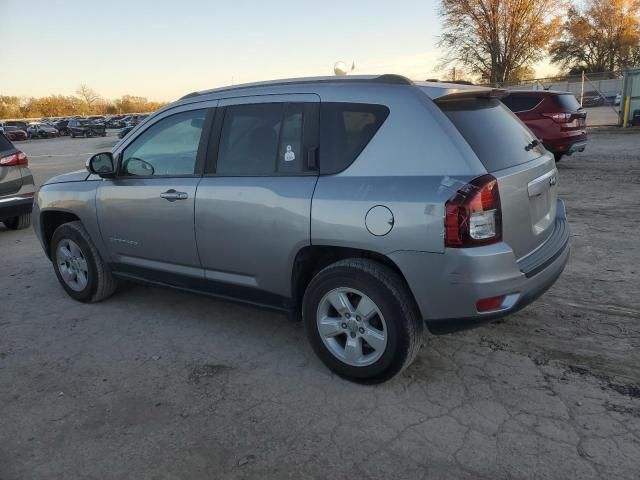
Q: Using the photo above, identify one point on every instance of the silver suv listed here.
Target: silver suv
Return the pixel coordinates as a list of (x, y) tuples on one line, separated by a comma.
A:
[(367, 206), (16, 186)]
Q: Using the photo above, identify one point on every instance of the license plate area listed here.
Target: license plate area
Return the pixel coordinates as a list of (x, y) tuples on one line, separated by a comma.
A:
[(542, 199)]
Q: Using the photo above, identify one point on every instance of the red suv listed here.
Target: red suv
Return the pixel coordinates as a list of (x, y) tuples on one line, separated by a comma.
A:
[(556, 118)]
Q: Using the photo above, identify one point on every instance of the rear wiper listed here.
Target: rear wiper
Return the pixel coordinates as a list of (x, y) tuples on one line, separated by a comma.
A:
[(532, 145)]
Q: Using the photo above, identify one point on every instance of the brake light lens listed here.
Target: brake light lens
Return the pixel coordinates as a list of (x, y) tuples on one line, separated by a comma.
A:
[(559, 117), (473, 215), (19, 158)]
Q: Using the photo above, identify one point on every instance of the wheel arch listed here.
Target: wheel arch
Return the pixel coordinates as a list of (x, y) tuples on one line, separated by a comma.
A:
[(312, 258), (49, 221)]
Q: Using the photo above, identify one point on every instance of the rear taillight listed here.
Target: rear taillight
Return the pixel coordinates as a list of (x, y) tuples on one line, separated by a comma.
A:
[(19, 158), (559, 117), (473, 216)]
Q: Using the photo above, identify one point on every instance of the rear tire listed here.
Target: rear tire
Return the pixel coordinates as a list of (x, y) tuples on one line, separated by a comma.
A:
[(389, 319), (19, 222), (78, 265), (558, 156)]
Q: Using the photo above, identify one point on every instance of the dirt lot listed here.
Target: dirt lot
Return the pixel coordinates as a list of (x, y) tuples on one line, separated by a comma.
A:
[(159, 384)]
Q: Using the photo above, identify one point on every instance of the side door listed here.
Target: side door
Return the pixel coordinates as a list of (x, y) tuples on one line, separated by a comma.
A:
[(146, 213), (253, 206)]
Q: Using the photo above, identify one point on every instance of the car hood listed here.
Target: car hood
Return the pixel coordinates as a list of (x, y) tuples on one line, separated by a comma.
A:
[(77, 176)]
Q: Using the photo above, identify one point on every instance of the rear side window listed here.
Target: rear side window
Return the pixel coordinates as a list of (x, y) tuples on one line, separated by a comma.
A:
[(568, 103), (262, 139), (496, 136), (522, 103), (345, 129)]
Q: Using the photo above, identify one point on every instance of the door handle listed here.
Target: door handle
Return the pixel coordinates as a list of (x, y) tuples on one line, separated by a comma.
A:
[(172, 195)]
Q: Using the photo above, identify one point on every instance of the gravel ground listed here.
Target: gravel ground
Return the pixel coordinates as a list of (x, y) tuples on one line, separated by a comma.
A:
[(160, 384)]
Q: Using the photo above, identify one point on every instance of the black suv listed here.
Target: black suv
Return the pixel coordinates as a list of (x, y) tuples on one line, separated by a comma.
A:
[(62, 126), (85, 128)]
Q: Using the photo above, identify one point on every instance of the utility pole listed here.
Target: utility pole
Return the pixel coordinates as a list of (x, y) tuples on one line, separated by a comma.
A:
[(582, 89)]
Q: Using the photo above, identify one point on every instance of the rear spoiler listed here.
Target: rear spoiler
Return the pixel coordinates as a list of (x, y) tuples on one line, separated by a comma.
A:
[(473, 93)]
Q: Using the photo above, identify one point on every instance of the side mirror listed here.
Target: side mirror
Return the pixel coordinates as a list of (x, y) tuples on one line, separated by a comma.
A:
[(102, 164)]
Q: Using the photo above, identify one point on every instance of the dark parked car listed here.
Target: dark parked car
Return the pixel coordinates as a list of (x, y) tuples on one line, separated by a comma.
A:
[(123, 133), (16, 186), (592, 99), (61, 126), (41, 130), (16, 123), (115, 122), (133, 120), (85, 128), (14, 133), (556, 118)]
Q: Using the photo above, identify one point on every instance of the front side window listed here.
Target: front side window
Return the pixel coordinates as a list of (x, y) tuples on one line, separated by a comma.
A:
[(261, 139), (168, 148)]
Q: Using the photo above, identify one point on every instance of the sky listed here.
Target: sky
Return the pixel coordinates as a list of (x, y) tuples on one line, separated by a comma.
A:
[(165, 49)]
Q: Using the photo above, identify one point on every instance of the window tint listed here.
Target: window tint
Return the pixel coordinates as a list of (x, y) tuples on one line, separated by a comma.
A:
[(567, 102), (262, 139), (345, 129), (5, 144), (290, 150), (169, 147), (492, 131), (522, 103)]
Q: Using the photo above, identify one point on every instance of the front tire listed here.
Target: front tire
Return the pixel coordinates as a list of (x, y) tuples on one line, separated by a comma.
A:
[(19, 222), (558, 156), (361, 320), (78, 265)]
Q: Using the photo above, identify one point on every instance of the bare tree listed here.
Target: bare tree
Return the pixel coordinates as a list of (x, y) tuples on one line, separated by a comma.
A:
[(87, 94), (498, 39)]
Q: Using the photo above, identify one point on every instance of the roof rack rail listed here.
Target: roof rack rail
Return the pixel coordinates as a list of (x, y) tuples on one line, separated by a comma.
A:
[(391, 79)]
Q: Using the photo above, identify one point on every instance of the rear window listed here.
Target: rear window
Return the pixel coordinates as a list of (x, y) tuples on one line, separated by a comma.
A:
[(5, 144), (495, 134), (345, 129), (522, 103), (567, 102)]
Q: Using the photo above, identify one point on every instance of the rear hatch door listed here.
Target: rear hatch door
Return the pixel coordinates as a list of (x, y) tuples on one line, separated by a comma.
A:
[(526, 172), (568, 104), (10, 177)]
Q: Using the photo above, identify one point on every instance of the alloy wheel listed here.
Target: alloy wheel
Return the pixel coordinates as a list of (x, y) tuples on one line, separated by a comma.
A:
[(352, 327)]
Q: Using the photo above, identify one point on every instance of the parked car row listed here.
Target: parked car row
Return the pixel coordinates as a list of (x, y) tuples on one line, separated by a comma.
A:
[(77, 126)]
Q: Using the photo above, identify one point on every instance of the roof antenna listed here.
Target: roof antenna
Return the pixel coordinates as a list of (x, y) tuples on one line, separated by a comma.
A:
[(340, 68)]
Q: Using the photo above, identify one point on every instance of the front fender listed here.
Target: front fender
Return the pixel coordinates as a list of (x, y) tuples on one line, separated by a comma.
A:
[(73, 198)]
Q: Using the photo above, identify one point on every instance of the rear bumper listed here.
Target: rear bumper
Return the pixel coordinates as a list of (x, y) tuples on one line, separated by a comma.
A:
[(15, 205), (567, 144), (448, 286)]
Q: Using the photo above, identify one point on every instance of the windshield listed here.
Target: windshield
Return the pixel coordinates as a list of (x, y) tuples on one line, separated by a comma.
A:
[(494, 133)]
